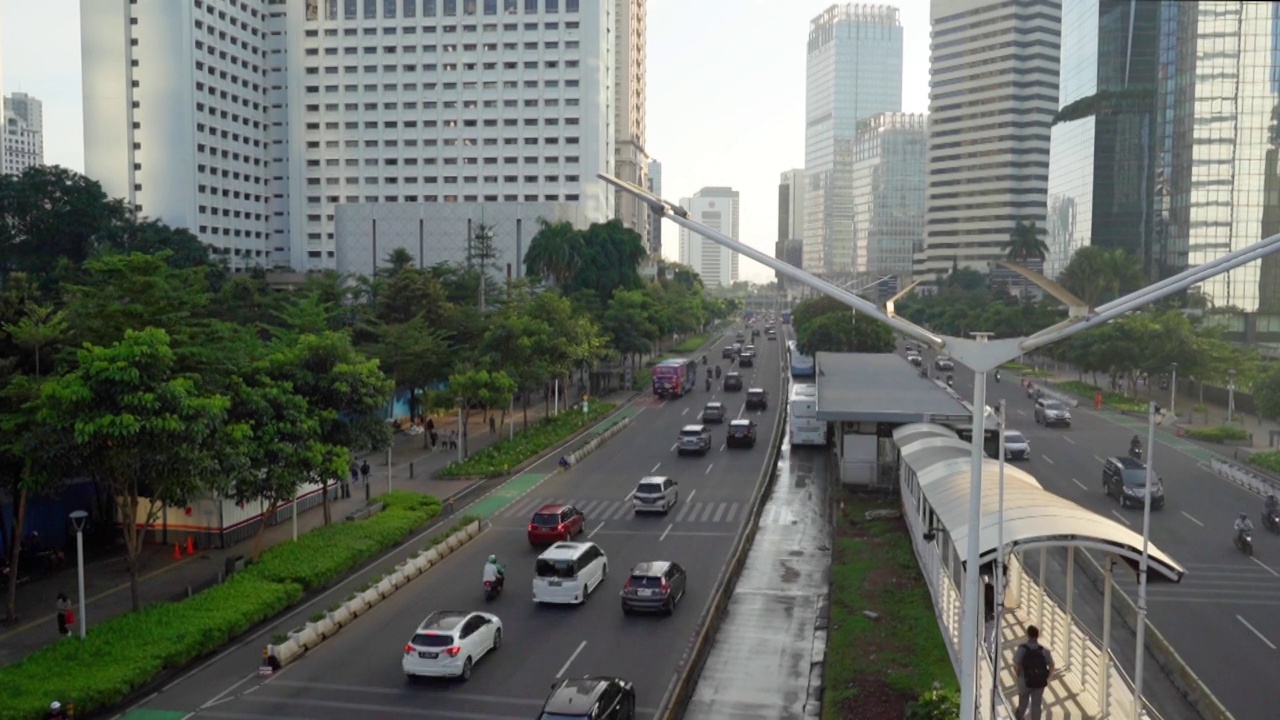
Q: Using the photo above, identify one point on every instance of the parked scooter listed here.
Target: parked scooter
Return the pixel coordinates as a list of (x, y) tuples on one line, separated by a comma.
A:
[(1244, 542)]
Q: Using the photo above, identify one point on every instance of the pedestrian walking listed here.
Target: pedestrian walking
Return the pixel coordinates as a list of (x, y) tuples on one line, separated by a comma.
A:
[(431, 428), (493, 427), (1033, 664), (65, 616), (989, 609), (364, 471)]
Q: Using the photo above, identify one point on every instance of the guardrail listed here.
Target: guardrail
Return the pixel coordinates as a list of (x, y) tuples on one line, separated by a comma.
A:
[(680, 689), (1251, 480)]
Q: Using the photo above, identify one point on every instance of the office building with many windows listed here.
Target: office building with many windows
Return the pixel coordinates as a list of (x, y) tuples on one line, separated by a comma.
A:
[(23, 142), (654, 184), (717, 208), (631, 161), (888, 193), (790, 217), (992, 98), (853, 71)]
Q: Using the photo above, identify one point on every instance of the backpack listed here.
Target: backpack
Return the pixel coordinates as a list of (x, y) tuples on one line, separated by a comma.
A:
[(1035, 667)]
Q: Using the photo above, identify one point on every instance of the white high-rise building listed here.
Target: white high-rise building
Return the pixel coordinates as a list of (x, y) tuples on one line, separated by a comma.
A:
[(176, 115), (655, 223), (631, 162), (993, 95), (23, 133), (717, 208), (288, 110), (854, 71)]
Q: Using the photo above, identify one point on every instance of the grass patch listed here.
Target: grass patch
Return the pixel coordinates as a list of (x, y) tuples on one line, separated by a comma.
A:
[(1266, 460), (1220, 434), (877, 668), (692, 343), (1115, 401)]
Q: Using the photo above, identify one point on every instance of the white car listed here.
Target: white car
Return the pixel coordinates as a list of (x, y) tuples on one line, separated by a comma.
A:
[(448, 644), (655, 494)]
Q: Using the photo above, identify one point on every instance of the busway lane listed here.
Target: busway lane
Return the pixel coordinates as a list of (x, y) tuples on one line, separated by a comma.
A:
[(357, 673)]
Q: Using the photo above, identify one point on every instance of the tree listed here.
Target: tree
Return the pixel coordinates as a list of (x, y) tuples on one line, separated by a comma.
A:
[(120, 293), (399, 260), (1096, 274), (512, 343), (148, 433), (481, 252), (832, 332), (629, 321), (346, 393), (132, 234), (51, 214), (470, 387), (281, 449), (555, 253), (872, 336), (1024, 245), (414, 355), (611, 257)]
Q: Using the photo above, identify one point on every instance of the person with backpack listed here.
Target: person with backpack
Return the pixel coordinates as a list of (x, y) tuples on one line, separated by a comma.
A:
[(1033, 664)]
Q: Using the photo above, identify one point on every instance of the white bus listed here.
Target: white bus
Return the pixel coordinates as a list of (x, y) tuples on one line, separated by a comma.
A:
[(806, 428), (801, 364)]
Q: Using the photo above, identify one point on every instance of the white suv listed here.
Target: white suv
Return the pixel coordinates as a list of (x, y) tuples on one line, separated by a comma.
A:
[(655, 494), (448, 644), (694, 439)]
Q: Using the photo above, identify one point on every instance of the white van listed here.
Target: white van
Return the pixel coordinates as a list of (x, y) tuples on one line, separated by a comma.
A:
[(568, 571)]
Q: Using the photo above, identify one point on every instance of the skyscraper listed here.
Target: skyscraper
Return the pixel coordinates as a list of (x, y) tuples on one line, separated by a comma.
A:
[(23, 133), (284, 111), (631, 162), (655, 223), (854, 70), (888, 193), (717, 208), (790, 215), (993, 95)]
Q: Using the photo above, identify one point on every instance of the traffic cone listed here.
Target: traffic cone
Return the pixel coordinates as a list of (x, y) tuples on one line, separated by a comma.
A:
[(177, 552), (191, 545)]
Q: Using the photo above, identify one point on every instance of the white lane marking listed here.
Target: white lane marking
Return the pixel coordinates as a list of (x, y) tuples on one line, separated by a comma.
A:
[(655, 468), (1261, 637), (1184, 514), (1022, 412), (1264, 566), (663, 536), (723, 446), (589, 536), (572, 657), (709, 468), (1064, 437), (218, 698), (1082, 487), (695, 492), (1047, 459), (1095, 457), (629, 496), (685, 411), (1113, 512), (674, 446)]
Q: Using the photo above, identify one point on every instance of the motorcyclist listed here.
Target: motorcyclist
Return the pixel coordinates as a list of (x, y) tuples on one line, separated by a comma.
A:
[(708, 381), (1135, 445), (494, 572), (704, 359), (950, 379), (1243, 526), (997, 374), (1272, 507), (56, 712)]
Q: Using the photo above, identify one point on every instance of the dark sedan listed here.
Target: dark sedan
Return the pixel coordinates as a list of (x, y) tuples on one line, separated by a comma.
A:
[(732, 382)]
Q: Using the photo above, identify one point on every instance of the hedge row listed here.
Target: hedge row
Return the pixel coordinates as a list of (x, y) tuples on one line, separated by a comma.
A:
[(1109, 399), (124, 653), (1220, 434), (498, 459), (1266, 460)]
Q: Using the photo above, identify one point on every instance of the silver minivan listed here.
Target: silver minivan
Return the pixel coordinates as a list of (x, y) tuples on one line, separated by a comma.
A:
[(655, 494)]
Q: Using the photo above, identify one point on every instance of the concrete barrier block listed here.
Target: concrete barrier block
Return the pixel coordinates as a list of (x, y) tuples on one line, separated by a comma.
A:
[(452, 543), (423, 563), (356, 606), (385, 587), (286, 652), (432, 556), (395, 579), (371, 597), (442, 550), (307, 638), (342, 615), (410, 569), (325, 627)]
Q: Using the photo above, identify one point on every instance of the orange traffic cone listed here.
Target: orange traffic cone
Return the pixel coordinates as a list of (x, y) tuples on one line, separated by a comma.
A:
[(177, 553), (191, 545)]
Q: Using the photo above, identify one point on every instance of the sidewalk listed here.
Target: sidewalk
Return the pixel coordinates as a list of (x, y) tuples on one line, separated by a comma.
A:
[(164, 578)]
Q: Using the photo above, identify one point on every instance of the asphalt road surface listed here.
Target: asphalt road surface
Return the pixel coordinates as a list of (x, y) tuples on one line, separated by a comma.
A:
[(1223, 617), (357, 673)]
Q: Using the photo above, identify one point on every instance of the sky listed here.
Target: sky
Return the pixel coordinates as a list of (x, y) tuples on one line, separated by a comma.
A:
[(725, 93)]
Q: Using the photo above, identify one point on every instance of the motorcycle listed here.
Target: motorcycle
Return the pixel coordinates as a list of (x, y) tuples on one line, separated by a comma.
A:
[(997, 375), (1271, 521), (492, 588), (1244, 542), (708, 383), (1135, 452)]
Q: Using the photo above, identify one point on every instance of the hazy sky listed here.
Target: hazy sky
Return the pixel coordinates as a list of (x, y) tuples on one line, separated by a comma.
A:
[(726, 92)]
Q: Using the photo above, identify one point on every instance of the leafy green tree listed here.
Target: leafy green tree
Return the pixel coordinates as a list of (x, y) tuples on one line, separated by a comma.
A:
[(472, 387), (398, 260), (500, 392), (345, 392), (832, 332), (281, 449), (131, 234), (148, 433), (513, 342), (51, 214), (872, 336), (1097, 274), (555, 253), (411, 293), (414, 355), (631, 323), (1024, 245), (611, 257), (120, 293)]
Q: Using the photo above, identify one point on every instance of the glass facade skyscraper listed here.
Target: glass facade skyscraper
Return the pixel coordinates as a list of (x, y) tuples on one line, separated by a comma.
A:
[(889, 171), (854, 71)]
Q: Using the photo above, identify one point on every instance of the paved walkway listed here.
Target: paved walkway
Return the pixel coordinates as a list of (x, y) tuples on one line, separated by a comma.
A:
[(165, 578)]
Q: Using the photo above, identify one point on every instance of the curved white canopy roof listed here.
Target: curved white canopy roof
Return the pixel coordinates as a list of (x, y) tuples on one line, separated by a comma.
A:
[(1032, 515)]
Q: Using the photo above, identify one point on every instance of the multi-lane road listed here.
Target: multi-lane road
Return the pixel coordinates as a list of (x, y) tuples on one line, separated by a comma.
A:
[(357, 673), (1222, 618)]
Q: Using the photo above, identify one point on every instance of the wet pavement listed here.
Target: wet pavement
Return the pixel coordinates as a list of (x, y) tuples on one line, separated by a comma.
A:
[(766, 660)]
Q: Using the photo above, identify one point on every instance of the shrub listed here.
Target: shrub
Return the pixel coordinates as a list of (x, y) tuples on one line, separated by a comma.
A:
[(1266, 460), (937, 704), (125, 652), (691, 344), (497, 460), (1117, 401), (1222, 433)]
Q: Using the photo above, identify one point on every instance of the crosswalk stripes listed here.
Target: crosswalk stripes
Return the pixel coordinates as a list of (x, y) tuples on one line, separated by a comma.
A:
[(598, 510)]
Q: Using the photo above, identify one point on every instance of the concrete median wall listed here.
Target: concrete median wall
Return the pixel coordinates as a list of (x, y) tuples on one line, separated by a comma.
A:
[(309, 636), (594, 444)]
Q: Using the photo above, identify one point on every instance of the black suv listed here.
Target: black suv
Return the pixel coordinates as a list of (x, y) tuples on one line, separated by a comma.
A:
[(732, 381), (728, 351), (713, 412), (757, 399), (590, 698), (741, 433), (747, 359), (1125, 479)]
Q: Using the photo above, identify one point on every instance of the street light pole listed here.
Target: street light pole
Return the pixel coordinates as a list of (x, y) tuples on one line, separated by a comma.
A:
[(1142, 567), (1231, 395), (78, 519), (973, 595), (999, 578), (462, 440), (1173, 392)]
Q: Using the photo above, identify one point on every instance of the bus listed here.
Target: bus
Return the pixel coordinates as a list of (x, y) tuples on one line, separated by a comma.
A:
[(806, 428), (786, 317), (801, 364), (674, 377)]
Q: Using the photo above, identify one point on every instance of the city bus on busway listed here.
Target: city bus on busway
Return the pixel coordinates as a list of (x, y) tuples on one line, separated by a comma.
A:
[(674, 377), (801, 364), (805, 427)]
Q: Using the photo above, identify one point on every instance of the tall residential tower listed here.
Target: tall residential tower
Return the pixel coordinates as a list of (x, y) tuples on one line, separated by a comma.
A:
[(854, 71), (717, 208), (23, 133)]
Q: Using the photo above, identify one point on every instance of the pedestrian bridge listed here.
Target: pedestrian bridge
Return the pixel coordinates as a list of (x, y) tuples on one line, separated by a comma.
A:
[(933, 473)]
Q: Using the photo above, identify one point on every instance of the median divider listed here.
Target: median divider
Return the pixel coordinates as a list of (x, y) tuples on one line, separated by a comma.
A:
[(291, 646), (1207, 706), (576, 456), (685, 681)]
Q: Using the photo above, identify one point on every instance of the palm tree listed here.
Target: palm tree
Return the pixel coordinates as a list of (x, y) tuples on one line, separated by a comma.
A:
[(1095, 273), (398, 259), (1025, 244), (555, 252), (1121, 272)]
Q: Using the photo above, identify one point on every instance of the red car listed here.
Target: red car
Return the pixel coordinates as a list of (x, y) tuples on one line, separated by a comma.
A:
[(553, 523)]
